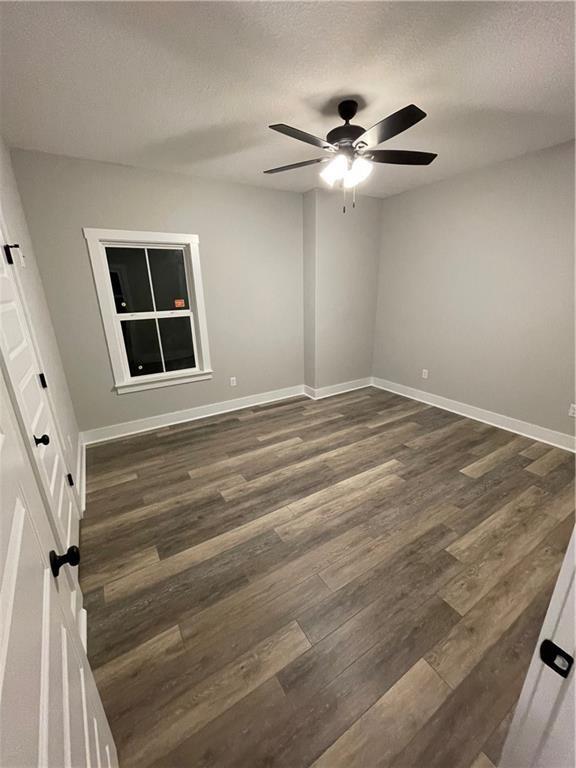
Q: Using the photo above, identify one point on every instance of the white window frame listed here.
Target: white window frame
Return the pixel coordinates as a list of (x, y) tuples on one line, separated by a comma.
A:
[(98, 240)]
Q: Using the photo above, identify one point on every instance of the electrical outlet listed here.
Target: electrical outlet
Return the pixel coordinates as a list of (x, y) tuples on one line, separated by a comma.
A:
[(424, 373), (233, 381), (572, 410)]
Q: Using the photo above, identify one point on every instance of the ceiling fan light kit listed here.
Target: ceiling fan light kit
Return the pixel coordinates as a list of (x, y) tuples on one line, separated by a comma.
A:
[(353, 149), (349, 172), (335, 170), (359, 172)]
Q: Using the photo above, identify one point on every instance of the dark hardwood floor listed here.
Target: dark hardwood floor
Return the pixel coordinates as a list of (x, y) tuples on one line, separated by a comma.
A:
[(355, 581)]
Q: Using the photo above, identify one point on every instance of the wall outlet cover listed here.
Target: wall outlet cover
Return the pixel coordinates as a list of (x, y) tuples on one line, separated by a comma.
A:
[(233, 381), (425, 373), (572, 410)]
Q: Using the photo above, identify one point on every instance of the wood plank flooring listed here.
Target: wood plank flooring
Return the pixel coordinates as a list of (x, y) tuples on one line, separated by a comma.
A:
[(355, 581)]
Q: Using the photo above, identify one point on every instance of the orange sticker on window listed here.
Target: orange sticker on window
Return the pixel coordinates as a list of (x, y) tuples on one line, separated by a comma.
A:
[(179, 303)]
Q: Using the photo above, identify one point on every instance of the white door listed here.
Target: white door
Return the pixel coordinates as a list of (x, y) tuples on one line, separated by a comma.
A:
[(27, 277), (50, 711), (542, 732), (22, 369)]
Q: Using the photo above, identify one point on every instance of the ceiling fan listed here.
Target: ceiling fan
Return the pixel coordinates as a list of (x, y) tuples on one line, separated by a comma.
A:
[(352, 149)]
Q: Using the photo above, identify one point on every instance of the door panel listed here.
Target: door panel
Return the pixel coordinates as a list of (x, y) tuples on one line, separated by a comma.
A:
[(22, 368), (77, 732), (48, 698), (52, 724), (27, 278), (22, 599)]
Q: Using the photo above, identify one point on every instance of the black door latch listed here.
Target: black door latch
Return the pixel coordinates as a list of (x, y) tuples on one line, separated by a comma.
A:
[(555, 658)]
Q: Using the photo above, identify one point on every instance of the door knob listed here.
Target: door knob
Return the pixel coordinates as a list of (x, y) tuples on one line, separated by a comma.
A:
[(44, 440), (71, 557), (556, 658)]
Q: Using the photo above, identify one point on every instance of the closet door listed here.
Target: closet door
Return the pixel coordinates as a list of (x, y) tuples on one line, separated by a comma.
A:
[(542, 731), (23, 369), (50, 710)]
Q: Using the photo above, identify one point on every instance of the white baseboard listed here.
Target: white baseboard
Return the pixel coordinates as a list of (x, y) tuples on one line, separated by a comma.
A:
[(533, 431), (114, 431), (337, 389)]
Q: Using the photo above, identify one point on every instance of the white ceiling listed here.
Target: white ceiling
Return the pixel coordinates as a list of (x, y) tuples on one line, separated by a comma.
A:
[(191, 87)]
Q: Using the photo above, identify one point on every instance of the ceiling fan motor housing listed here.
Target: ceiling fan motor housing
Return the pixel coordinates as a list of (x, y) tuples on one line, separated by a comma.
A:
[(346, 134)]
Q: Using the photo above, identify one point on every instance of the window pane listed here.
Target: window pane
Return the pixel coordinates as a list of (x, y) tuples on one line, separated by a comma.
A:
[(176, 335), (142, 347), (130, 281), (168, 278)]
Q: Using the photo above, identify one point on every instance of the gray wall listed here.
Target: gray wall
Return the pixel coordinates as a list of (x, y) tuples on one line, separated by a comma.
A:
[(347, 254), (251, 255), (477, 285)]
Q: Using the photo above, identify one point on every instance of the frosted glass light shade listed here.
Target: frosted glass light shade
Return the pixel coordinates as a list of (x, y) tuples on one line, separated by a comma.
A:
[(335, 170), (360, 170)]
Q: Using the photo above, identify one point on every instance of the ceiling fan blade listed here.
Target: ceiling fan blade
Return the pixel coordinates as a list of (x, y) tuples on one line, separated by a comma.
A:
[(295, 133), (298, 165), (400, 157), (391, 126)]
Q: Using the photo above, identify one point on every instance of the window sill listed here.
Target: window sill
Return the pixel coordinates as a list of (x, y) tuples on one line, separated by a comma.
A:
[(155, 382)]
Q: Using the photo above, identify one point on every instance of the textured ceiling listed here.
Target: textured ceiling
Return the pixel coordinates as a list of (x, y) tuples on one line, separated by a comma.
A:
[(191, 87)]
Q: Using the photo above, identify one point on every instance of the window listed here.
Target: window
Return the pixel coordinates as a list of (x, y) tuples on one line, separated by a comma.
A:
[(149, 289)]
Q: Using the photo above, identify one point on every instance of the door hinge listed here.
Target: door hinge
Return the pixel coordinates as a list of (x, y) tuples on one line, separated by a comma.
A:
[(43, 382), (70, 478), (8, 252), (556, 658)]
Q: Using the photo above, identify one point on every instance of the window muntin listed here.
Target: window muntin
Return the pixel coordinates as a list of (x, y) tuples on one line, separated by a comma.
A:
[(151, 276)]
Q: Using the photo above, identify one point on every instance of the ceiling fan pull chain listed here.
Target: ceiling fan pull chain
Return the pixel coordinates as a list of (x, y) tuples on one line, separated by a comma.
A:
[(353, 197), (344, 199)]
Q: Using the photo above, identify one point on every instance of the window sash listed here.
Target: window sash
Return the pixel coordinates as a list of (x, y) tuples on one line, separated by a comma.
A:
[(122, 317), (156, 314), (98, 240)]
